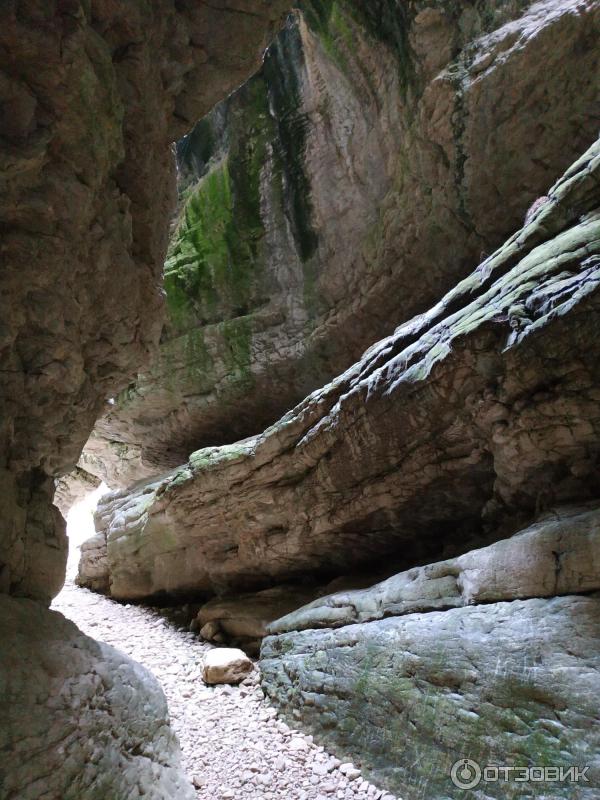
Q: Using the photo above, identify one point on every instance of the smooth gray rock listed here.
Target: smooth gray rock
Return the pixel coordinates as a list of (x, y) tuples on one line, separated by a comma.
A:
[(559, 554), (79, 720), (511, 683)]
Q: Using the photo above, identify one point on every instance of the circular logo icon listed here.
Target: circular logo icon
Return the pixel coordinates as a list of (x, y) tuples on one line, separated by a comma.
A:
[(465, 774)]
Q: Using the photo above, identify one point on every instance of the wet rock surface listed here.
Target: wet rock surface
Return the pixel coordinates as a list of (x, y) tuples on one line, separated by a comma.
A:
[(233, 743), (453, 431), (381, 150)]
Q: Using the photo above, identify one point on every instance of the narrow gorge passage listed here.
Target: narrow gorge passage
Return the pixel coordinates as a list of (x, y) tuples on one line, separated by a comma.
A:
[(233, 744)]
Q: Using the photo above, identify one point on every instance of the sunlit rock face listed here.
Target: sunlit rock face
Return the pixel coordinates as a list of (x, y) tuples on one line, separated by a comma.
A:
[(492, 656), (92, 95), (80, 721), (457, 429), (383, 150)]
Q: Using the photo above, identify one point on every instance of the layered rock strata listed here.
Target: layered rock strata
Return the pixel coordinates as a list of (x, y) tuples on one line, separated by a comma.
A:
[(380, 151), (455, 430), (407, 690)]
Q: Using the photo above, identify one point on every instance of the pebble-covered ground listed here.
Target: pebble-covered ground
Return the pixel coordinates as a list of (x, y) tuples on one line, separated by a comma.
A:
[(233, 744)]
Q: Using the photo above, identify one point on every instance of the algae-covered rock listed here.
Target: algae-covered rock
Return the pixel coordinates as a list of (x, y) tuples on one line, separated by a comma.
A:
[(381, 152), (456, 430)]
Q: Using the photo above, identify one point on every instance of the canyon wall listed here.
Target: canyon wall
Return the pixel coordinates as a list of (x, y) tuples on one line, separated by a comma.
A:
[(92, 93), (455, 430), (381, 152)]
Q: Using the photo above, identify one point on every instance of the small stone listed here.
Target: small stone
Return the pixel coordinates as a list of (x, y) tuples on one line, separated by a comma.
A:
[(209, 630), (226, 665), (350, 771), (298, 745)]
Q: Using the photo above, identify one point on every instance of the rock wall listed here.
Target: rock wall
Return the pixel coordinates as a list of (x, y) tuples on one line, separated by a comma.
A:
[(407, 694), (80, 721), (92, 94), (452, 432), (380, 153), (72, 488)]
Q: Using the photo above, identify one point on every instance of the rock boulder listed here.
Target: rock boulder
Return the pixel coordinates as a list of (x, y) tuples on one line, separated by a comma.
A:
[(80, 721), (472, 658)]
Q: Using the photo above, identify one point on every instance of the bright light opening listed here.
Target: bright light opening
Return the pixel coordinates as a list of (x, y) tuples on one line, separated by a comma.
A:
[(80, 526)]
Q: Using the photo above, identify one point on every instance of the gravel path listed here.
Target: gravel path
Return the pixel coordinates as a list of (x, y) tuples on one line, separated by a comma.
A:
[(234, 746)]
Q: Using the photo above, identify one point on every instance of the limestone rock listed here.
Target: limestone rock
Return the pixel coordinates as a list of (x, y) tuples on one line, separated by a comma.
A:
[(246, 616), (509, 683), (209, 629), (382, 148), (93, 570), (559, 554), (375, 677), (226, 665), (451, 433), (92, 96), (80, 721)]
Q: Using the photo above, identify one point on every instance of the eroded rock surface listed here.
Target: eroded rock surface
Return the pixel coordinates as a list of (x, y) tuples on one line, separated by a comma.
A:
[(507, 683), (80, 720), (557, 555), (382, 149), (512, 683), (92, 96), (94, 557), (458, 428), (72, 488)]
